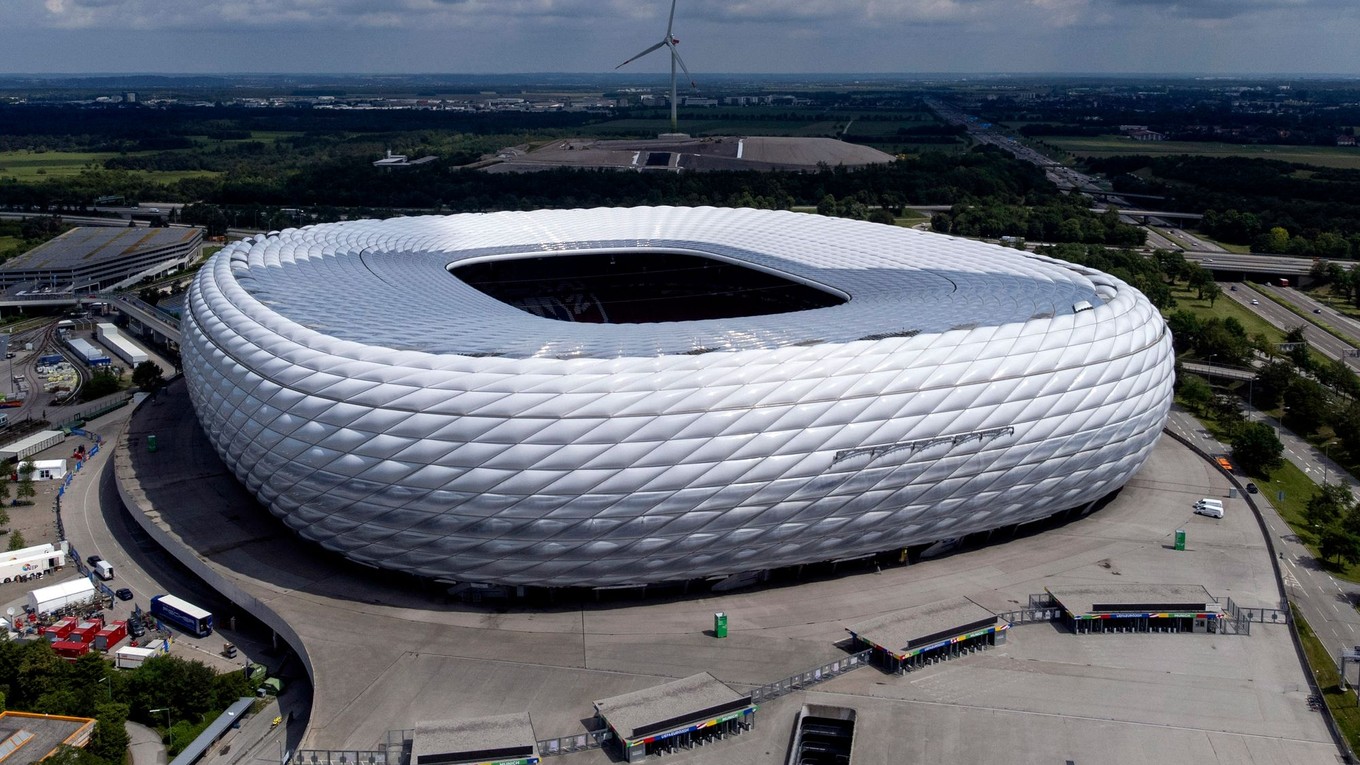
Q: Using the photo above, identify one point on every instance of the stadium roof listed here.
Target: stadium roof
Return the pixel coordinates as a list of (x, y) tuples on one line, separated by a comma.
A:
[(85, 245), (889, 281)]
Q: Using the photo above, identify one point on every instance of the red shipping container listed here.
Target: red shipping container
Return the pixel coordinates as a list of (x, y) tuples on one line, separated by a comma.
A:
[(59, 631), (85, 632), (70, 649), (109, 637)]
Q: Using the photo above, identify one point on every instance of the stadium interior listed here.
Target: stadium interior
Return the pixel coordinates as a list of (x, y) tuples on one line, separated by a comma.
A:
[(639, 287)]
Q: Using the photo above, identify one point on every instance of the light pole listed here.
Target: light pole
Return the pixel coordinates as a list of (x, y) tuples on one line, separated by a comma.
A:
[(169, 729), (109, 680)]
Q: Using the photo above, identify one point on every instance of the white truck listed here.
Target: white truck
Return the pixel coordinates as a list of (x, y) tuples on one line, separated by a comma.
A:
[(128, 657), (30, 563), (76, 592)]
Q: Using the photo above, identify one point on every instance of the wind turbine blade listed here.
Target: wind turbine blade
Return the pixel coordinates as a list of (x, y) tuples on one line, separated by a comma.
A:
[(640, 55), (670, 22), (681, 62)]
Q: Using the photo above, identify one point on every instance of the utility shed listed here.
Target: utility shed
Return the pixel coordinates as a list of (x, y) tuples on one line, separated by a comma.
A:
[(501, 739), (693, 711), (30, 445), (905, 639), (1138, 608)]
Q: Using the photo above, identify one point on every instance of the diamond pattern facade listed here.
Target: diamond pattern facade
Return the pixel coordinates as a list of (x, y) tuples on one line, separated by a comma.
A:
[(388, 411)]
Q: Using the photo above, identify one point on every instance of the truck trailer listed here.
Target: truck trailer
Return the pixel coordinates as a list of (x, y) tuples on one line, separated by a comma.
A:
[(77, 592), (30, 562), (129, 657), (122, 346)]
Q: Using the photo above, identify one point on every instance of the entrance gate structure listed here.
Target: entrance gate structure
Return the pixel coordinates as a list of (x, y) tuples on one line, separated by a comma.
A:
[(913, 637)]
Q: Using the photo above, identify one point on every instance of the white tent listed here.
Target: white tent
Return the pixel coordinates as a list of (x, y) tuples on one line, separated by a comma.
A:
[(49, 470)]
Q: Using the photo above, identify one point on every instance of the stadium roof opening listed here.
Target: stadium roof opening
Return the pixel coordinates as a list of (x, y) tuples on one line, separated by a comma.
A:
[(639, 287)]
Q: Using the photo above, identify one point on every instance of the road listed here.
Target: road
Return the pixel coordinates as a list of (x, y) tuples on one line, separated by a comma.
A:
[(1324, 313), (1326, 602), (1284, 319)]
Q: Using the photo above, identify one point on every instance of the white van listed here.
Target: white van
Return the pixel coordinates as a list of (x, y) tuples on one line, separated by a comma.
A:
[(1212, 508), (104, 570)]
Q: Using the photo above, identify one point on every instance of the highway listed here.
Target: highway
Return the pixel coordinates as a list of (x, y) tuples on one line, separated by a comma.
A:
[(1338, 321), (1284, 319)]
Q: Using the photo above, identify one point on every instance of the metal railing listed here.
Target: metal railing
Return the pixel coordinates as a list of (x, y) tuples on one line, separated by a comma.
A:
[(811, 677), (339, 757), (579, 742)]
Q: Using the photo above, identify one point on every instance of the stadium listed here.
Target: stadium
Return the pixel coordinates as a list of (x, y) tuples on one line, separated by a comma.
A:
[(627, 396)]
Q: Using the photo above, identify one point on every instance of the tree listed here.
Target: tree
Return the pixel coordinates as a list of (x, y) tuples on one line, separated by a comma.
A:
[(102, 382), (26, 492), (1335, 544), (1307, 406), (1331, 503), (1271, 383), (1257, 449), (148, 376), (110, 740), (1211, 292), (17, 541), (1196, 393)]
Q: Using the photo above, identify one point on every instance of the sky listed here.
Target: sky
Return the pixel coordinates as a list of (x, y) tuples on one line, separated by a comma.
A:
[(1220, 37)]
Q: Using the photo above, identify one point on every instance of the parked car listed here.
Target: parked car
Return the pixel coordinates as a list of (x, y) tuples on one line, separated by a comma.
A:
[(93, 559), (123, 593), (136, 629)]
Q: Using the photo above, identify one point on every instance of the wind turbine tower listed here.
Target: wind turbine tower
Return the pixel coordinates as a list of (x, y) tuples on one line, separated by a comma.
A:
[(669, 42)]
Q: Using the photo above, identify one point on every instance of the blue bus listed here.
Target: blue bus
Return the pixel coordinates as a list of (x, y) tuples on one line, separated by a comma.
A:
[(182, 615)]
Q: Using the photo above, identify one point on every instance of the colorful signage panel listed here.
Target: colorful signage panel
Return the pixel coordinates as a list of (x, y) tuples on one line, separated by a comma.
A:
[(692, 728)]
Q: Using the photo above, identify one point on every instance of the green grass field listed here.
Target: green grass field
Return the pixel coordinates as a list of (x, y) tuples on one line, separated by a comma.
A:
[(1341, 703), (28, 166), (1110, 146)]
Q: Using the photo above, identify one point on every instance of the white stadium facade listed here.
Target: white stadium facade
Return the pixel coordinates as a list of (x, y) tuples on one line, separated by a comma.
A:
[(627, 396)]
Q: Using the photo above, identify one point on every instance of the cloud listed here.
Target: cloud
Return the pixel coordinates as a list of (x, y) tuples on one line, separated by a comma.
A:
[(719, 35)]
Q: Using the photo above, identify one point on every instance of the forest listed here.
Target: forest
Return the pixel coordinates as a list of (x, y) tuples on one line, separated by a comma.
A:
[(33, 678)]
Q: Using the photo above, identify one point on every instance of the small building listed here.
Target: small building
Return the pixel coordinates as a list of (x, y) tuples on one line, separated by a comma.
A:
[(903, 640), (675, 716), (30, 445), (49, 470), (502, 739), (27, 738), (89, 258), (1138, 608)]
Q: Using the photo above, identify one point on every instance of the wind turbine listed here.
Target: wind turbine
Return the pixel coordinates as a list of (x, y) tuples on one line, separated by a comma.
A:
[(668, 41)]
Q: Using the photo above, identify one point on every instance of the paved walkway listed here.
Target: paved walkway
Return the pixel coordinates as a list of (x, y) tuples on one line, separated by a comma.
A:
[(1327, 603), (145, 745)]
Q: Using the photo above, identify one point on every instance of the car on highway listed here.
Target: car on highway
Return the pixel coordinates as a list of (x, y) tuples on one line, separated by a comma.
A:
[(1254, 301), (123, 593), (93, 559), (1251, 489), (1317, 310)]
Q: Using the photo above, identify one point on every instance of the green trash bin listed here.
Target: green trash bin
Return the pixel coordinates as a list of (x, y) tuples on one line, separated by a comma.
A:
[(1180, 539), (720, 624), (151, 443)]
